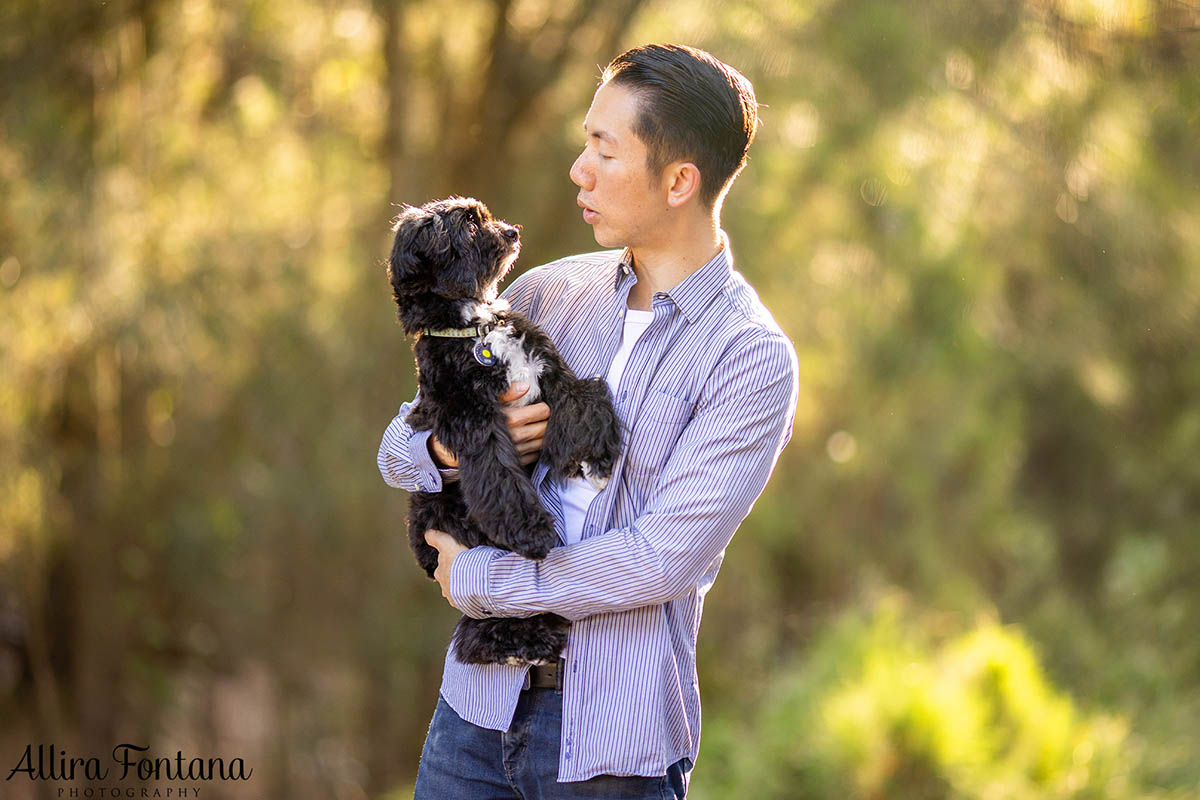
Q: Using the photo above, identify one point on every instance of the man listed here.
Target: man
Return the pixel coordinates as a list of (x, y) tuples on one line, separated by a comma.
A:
[(705, 382)]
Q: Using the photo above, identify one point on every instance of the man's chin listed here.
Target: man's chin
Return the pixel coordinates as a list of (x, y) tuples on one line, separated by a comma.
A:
[(604, 238)]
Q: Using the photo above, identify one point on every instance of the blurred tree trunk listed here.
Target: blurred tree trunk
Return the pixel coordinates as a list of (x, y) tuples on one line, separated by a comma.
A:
[(396, 80), (89, 434), (520, 70)]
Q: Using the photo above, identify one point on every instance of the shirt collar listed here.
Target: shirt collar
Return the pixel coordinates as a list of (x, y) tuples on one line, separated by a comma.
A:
[(696, 291)]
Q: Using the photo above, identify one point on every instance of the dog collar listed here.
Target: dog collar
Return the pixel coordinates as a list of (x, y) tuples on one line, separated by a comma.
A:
[(472, 332), (481, 351)]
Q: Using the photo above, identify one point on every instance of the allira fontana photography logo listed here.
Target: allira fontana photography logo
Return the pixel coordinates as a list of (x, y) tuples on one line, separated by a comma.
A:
[(128, 762)]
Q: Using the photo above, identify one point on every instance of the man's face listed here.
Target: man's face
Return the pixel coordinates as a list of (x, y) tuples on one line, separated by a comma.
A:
[(611, 173)]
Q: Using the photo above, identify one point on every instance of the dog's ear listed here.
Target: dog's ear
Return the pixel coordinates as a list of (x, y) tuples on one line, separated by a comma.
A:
[(420, 244)]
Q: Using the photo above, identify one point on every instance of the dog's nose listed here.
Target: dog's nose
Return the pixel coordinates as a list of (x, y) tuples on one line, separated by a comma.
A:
[(512, 232)]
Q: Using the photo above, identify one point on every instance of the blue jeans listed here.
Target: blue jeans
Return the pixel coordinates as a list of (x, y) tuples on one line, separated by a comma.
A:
[(462, 761)]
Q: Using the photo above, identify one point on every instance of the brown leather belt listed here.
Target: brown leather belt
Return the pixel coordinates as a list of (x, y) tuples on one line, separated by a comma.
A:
[(546, 676)]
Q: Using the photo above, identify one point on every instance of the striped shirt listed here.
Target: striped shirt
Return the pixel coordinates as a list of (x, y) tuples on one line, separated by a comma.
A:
[(708, 400)]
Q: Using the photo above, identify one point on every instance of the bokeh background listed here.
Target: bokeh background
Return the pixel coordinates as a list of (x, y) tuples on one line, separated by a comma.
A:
[(976, 570)]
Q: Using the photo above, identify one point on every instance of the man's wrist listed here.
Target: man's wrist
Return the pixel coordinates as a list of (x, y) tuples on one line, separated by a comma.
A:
[(468, 581), (441, 455), (432, 476), (433, 454)]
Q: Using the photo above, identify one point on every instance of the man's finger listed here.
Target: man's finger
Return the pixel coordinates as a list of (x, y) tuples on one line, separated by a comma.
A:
[(527, 414), (525, 433), (514, 392), (530, 446)]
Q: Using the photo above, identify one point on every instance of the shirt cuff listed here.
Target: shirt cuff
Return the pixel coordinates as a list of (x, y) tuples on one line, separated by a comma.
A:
[(418, 451), (468, 581)]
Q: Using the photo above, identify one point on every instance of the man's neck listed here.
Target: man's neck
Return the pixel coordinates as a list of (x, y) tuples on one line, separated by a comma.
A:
[(663, 265)]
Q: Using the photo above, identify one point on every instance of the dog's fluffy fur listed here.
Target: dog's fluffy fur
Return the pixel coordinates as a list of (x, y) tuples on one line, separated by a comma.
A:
[(447, 259)]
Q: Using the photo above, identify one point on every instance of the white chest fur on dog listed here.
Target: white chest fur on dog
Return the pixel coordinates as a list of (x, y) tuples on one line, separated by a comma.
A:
[(507, 346), (510, 348)]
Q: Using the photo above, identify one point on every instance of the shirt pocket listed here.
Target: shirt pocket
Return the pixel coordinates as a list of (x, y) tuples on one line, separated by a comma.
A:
[(659, 422)]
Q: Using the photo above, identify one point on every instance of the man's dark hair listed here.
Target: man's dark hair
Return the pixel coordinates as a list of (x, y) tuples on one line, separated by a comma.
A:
[(690, 107)]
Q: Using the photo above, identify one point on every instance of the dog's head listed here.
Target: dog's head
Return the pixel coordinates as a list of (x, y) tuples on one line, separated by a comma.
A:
[(453, 249)]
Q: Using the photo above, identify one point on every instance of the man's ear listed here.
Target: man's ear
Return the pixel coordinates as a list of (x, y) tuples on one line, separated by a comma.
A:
[(683, 182)]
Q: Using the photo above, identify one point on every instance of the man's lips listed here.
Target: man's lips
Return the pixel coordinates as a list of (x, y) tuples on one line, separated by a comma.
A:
[(588, 214)]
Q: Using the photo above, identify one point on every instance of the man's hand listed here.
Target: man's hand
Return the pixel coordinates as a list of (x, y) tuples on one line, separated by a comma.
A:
[(526, 426), (447, 549)]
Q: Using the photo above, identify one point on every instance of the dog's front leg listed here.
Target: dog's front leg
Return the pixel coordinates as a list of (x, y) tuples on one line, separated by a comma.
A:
[(583, 434), (499, 496)]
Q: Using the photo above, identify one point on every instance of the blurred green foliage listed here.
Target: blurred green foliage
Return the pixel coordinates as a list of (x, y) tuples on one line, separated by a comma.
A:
[(980, 224), (892, 703)]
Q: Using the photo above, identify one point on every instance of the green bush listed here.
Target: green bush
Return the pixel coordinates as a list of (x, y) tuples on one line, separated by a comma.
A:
[(895, 704)]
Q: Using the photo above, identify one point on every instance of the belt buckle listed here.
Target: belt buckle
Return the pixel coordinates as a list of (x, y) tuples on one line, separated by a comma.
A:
[(543, 673)]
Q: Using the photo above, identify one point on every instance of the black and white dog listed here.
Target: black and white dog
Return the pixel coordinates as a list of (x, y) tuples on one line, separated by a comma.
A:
[(447, 260)]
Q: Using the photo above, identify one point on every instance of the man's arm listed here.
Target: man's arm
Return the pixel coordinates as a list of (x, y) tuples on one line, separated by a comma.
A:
[(406, 457), (715, 473)]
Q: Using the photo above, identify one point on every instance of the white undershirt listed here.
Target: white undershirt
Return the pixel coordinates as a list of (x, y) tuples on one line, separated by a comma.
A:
[(578, 493)]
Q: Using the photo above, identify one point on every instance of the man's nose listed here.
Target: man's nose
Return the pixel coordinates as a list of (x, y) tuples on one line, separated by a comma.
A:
[(579, 176)]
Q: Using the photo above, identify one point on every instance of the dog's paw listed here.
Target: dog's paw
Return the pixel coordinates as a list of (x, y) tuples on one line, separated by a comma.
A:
[(594, 476), (534, 537), (535, 551)]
